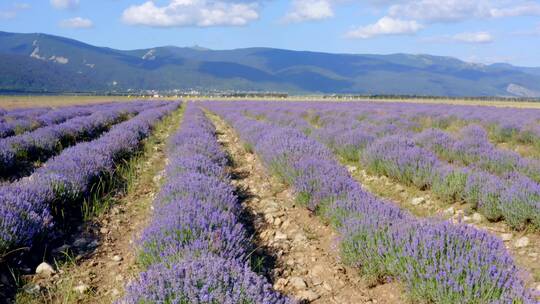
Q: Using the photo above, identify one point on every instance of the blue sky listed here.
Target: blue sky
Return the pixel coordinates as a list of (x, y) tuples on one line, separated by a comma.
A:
[(481, 31)]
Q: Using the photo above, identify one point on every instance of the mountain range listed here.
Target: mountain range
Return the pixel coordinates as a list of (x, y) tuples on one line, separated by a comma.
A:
[(46, 63)]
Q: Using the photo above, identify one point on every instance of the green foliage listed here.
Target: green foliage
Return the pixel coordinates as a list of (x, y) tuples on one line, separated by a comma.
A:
[(450, 187)]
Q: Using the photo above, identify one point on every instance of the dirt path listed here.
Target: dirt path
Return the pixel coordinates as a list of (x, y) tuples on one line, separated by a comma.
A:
[(299, 251), (524, 246), (103, 256)]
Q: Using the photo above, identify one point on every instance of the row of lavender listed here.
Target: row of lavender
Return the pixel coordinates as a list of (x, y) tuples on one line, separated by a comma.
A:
[(522, 125), (503, 124), (431, 159), (31, 207), (466, 167), (470, 147), (438, 261), (195, 248), (18, 121), (40, 144), (6, 115)]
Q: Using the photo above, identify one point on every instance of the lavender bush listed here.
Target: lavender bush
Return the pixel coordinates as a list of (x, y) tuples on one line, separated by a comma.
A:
[(195, 247), (192, 228), (449, 183), (398, 157)]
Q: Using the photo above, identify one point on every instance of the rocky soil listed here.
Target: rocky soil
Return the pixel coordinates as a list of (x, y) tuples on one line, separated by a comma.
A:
[(296, 250)]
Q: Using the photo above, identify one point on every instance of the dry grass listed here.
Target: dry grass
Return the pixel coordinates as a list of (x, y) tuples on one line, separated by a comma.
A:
[(503, 104), (11, 102), (499, 104)]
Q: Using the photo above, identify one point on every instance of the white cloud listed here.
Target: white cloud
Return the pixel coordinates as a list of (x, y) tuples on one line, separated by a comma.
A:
[(305, 10), (473, 37), (181, 13), (439, 10), (525, 9), (65, 4), (425, 11), (458, 10), (385, 26), (77, 23)]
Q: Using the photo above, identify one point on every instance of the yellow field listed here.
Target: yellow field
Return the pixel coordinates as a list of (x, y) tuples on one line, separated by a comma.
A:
[(10, 102), (504, 104)]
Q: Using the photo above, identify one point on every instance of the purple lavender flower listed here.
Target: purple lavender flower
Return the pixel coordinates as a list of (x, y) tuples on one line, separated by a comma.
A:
[(205, 280), (30, 207)]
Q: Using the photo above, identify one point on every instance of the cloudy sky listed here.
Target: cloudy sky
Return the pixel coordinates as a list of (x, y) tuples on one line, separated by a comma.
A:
[(474, 30)]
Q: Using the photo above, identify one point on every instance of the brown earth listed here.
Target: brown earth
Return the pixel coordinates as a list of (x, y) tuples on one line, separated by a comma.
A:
[(297, 251)]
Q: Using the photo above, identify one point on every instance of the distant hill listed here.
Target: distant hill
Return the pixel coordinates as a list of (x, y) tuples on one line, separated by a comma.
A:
[(45, 63)]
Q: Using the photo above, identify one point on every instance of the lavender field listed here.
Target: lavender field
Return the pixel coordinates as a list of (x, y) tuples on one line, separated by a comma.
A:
[(205, 201)]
